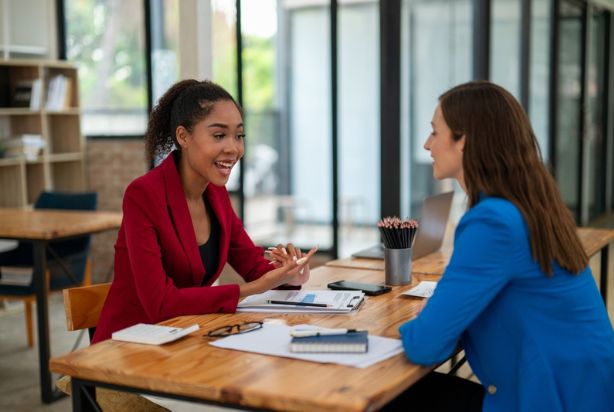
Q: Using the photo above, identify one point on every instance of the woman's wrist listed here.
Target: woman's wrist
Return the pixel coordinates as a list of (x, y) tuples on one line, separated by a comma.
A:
[(254, 287)]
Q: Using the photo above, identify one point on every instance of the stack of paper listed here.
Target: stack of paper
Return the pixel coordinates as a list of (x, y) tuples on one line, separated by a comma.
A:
[(275, 339), (424, 289), (15, 275), (29, 146), (305, 301)]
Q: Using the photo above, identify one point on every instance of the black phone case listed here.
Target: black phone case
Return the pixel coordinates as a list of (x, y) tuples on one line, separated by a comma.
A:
[(380, 289)]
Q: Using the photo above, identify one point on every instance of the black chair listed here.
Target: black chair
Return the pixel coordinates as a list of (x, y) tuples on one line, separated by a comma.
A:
[(68, 264)]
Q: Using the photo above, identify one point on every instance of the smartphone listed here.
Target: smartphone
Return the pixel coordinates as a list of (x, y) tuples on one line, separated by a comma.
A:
[(368, 288)]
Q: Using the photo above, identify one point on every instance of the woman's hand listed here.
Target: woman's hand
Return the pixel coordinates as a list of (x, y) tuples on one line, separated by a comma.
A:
[(281, 256), (290, 269)]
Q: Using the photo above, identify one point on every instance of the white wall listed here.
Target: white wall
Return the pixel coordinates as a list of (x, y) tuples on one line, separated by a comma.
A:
[(28, 29)]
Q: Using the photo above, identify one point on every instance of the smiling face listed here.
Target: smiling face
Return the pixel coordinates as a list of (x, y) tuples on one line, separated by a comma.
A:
[(447, 153), (212, 148)]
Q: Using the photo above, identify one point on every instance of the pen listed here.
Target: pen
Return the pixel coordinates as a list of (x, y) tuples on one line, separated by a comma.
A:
[(320, 332), (285, 302)]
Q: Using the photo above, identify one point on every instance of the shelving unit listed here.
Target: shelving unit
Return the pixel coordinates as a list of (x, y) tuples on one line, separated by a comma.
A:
[(61, 163)]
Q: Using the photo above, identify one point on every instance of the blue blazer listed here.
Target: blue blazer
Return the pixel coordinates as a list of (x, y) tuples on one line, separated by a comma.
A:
[(536, 343)]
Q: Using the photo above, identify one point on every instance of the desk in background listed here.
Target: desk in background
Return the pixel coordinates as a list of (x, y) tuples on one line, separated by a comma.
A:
[(40, 227), (192, 369), (593, 240)]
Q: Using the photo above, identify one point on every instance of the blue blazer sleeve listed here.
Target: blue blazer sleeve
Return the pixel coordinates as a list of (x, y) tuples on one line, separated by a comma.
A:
[(478, 270)]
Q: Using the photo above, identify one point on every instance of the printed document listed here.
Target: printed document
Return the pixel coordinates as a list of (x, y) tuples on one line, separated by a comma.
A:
[(303, 301)]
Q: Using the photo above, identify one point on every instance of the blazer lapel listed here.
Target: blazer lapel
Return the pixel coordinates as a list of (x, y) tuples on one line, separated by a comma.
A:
[(180, 214)]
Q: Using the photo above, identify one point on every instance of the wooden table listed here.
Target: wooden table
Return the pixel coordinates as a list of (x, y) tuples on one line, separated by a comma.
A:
[(40, 227), (594, 241), (193, 370)]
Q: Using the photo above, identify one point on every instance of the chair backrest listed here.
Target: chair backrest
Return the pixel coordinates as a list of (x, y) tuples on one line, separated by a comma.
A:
[(73, 252), (83, 305)]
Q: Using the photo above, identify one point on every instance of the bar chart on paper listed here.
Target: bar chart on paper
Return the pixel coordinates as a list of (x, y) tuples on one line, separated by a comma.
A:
[(311, 301)]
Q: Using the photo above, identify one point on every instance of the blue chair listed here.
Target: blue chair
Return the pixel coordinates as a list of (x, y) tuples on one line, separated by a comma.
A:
[(71, 254)]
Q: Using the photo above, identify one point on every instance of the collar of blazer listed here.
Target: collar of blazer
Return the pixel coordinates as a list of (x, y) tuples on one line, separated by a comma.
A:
[(182, 221)]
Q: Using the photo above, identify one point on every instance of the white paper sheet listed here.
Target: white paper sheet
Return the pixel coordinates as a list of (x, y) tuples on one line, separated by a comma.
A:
[(274, 339), (424, 289), (337, 301)]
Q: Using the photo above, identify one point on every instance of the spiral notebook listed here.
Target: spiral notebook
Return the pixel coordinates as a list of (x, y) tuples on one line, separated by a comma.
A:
[(351, 342)]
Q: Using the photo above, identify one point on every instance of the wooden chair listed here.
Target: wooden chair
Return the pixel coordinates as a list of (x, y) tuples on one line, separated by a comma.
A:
[(83, 306)]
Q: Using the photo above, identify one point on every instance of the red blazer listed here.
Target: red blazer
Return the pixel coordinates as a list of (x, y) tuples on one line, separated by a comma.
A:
[(158, 268)]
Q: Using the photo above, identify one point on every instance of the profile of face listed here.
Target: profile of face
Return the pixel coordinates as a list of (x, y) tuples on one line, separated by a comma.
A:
[(215, 144), (447, 153)]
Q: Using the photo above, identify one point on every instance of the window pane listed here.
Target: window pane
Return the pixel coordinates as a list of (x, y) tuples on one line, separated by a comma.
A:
[(505, 44), (224, 54), (596, 129), (436, 55), (359, 128), (224, 44), (309, 120), (164, 45), (569, 97), (286, 73), (540, 73), (106, 39)]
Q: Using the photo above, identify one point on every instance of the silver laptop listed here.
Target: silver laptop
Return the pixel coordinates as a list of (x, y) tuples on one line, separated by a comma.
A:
[(431, 229)]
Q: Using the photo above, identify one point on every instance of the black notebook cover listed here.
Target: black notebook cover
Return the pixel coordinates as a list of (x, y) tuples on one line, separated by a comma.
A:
[(353, 342)]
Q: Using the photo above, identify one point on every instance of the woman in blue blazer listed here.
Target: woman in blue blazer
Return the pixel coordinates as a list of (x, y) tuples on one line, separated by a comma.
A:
[(518, 294)]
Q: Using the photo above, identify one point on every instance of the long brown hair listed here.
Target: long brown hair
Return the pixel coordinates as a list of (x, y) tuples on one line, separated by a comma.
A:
[(184, 104), (501, 158)]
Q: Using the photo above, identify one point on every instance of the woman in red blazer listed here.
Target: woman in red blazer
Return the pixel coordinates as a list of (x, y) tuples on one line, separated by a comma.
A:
[(179, 228)]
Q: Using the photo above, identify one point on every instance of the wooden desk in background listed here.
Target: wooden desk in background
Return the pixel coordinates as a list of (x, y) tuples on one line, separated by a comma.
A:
[(193, 370), (593, 240), (40, 227)]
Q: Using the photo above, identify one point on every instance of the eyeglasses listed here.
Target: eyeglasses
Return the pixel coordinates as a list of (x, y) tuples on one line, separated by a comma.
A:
[(234, 329)]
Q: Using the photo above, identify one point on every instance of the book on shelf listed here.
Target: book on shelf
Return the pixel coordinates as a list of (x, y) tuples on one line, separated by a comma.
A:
[(152, 334), (36, 95), (22, 93), (349, 342), (29, 146), (58, 93)]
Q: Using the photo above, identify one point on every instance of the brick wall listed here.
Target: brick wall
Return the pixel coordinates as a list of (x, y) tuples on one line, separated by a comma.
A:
[(111, 164)]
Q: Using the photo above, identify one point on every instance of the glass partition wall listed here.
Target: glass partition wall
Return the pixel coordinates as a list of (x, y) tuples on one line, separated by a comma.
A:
[(436, 53), (287, 86), (294, 182)]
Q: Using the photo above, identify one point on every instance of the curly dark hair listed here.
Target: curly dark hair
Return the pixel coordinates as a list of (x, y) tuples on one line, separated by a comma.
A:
[(186, 103)]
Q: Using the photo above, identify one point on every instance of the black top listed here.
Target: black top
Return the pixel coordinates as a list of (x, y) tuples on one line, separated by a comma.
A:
[(209, 251)]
